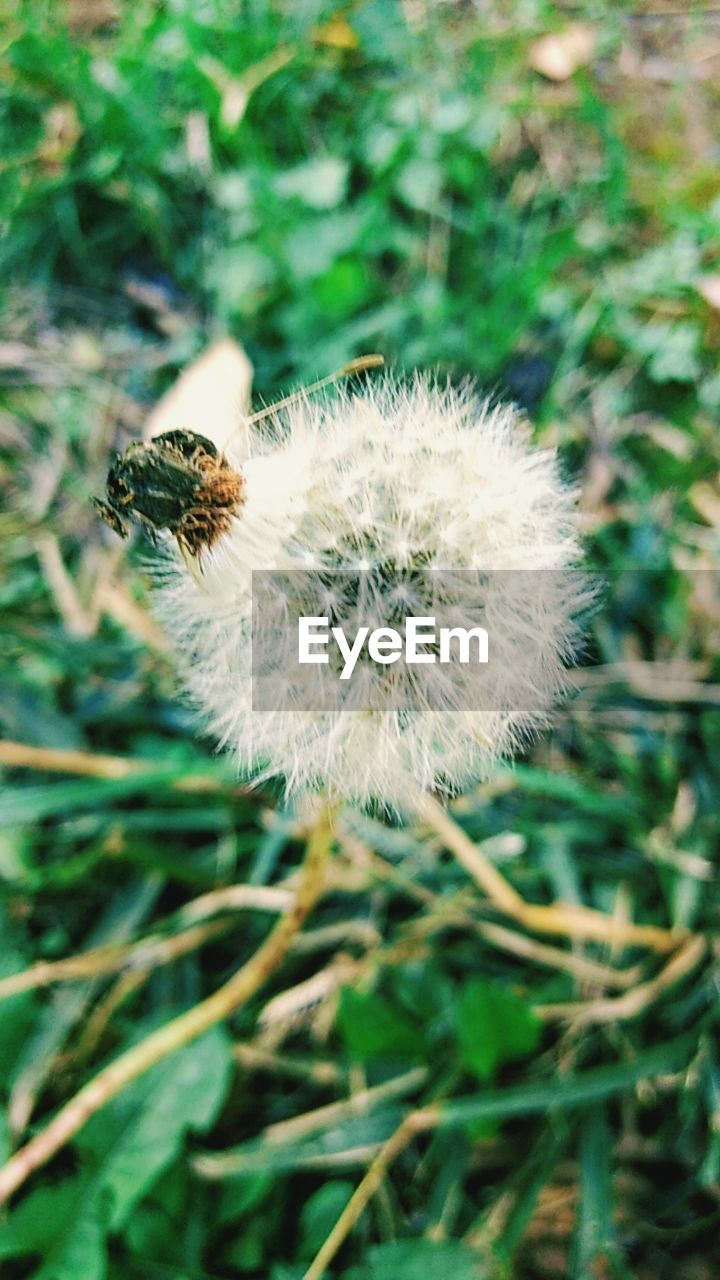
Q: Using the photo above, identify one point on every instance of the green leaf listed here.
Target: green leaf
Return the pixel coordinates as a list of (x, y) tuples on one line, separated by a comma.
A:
[(594, 1240), (124, 913), (30, 804), (238, 274), (64, 1226), (567, 788), (419, 184), (79, 1250), (320, 1213), (416, 1260), (672, 350), (583, 1089), (494, 1027), (126, 1147), (342, 289), (320, 183), (534, 1173), (340, 1144), (137, 1136), (19, 1011), (315, 244), (372, 1027), (5, 1138)]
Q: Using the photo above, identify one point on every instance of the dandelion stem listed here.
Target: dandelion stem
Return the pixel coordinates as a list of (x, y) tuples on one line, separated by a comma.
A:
[(109, 1082)]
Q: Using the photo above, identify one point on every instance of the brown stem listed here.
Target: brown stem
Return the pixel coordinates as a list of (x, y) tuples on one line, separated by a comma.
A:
[(91, 764), (414, 1123), (109, 1082), (563, 919)]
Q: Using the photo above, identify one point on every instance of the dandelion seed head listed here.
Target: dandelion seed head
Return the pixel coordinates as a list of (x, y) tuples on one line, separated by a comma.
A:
[(394, 476)]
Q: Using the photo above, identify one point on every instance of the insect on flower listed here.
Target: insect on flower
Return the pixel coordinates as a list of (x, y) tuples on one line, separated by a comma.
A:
[(181, 482), (178, 481)]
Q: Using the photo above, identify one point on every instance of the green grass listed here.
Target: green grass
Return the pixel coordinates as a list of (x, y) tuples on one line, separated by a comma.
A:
[(319, 182)]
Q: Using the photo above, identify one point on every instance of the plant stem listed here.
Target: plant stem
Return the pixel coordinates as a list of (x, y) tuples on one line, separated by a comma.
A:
[(109, 1082), (563, 919), (414, 1123)]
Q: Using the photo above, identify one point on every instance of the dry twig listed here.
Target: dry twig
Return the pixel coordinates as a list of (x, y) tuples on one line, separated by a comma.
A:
[(631, 1003), (181, 1031), (92, 764), (564, 919), (414, 1123)]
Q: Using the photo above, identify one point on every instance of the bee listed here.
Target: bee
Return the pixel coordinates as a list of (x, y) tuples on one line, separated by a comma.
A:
[(180, 481)]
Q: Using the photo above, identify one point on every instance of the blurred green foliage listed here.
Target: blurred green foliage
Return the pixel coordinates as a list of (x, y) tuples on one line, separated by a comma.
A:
[(318, 182)]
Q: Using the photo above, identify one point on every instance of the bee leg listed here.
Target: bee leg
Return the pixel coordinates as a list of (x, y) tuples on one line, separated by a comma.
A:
[(110, 516), (194, 531)]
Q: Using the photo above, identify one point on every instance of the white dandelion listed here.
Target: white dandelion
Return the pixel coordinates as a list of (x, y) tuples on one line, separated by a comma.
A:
[(400, 497)]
